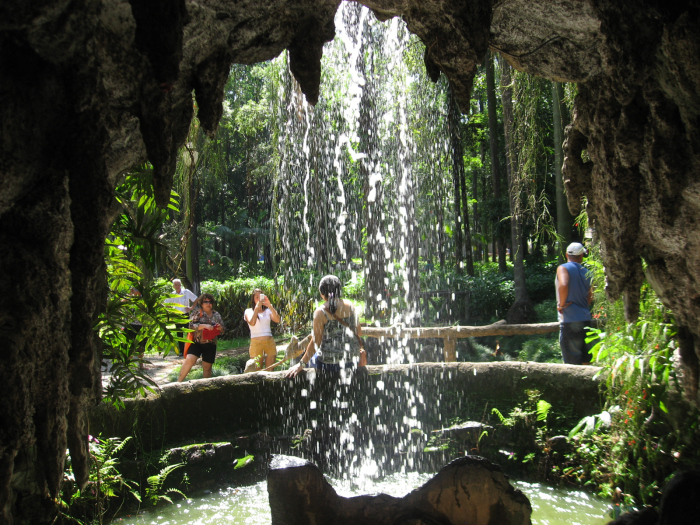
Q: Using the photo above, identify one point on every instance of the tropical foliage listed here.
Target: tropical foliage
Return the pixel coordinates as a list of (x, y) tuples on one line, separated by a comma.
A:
[(646, 431), (136, 318)]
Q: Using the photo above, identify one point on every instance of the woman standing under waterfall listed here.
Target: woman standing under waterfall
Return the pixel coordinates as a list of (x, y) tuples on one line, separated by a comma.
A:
[(336, 338), (262, 345)]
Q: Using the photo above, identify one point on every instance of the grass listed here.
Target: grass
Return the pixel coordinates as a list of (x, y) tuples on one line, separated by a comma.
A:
[(224, 365), (228, 344)]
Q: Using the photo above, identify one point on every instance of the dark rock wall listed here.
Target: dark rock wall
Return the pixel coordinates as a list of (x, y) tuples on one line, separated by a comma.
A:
[(638, 123), (379, 396), (89, 88)]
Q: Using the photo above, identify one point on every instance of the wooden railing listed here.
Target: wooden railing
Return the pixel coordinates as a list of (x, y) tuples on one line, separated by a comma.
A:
[(449, 333)]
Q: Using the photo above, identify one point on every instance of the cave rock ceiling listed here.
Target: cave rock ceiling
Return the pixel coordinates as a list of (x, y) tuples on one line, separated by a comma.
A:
[(90, 88)]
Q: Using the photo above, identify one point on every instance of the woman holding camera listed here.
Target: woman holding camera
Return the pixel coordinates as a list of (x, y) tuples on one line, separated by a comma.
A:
[(262, 345)]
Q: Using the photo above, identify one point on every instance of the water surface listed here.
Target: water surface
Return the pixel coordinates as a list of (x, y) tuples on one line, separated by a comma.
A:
[(249, 505)]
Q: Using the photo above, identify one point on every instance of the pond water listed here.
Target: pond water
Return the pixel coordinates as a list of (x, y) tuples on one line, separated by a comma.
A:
[(249, 505)]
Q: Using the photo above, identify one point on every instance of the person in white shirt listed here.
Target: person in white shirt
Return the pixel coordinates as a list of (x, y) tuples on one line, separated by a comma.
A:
[(183, 300), (262, 345)]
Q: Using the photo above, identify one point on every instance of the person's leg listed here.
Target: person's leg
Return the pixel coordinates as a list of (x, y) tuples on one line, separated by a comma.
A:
[(208, 358), (256, 351), (187, 365), (181, 344), (570, 344), (270, 352)]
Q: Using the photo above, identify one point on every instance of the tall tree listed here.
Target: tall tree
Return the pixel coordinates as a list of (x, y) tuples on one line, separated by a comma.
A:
[(560, 117), (499, 240), (457, 174), (376, 299), (522, 310), (464, 251)]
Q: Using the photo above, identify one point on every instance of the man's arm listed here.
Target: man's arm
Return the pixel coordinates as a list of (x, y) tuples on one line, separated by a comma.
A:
[(562, 287)]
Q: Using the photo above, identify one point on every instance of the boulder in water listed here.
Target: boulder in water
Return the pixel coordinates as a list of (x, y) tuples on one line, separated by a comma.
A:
[(468, 490)]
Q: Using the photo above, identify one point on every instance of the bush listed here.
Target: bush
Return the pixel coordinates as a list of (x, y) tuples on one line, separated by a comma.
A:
[(547, 311), (492, 293), (233, 296), (544, 349)]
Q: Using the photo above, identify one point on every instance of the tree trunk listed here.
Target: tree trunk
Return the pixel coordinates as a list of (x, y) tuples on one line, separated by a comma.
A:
[(565, 220), (499, 240), (461, 205), (192, 244), (440, 216), (522, 310), (457, 174), (475, 216), (192, 252), (373, 194), (467, 229)]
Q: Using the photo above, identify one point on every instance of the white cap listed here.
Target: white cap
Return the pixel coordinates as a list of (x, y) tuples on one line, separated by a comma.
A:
[(576, 248)]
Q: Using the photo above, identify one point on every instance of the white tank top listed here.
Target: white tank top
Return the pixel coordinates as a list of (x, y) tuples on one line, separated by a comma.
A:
[(262, 327)]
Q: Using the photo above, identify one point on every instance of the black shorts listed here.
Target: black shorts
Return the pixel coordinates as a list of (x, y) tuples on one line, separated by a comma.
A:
[(207, 351)]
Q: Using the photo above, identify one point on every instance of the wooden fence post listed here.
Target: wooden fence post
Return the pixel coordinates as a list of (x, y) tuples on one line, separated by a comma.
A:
[(450, 350)]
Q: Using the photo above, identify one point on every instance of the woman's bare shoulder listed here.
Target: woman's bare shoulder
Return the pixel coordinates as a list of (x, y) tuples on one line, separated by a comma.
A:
[(346, 309)]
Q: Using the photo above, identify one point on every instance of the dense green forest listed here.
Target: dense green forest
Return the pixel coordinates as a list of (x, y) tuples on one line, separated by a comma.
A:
[(389, 184), (384, 175)]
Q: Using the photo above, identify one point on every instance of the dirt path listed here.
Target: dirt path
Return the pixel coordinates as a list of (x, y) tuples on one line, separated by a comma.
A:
[(159, 367)]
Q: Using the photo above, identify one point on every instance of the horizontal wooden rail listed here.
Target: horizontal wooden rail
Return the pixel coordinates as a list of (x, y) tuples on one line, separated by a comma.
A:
[(449, 333)]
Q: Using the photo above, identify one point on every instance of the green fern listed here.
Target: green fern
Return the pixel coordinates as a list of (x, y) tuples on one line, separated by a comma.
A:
[(543, 409), (155, 493)]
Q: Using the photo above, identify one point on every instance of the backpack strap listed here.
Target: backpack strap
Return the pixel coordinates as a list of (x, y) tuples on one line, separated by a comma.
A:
[(346, 325)]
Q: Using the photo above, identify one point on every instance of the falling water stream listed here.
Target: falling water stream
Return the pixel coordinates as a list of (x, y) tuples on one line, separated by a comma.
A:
[(368, 147)]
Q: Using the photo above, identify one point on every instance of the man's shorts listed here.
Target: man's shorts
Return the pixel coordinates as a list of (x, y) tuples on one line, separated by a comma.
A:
[(207, 351), (572, 340)]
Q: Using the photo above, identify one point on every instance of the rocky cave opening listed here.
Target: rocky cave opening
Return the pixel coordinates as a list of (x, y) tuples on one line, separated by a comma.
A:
[(91, 88)]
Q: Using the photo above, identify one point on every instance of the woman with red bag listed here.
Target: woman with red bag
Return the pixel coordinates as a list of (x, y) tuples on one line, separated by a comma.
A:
[(207, 325)]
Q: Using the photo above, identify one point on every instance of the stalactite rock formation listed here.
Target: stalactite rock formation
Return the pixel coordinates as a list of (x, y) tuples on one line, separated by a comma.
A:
[(90, 88)]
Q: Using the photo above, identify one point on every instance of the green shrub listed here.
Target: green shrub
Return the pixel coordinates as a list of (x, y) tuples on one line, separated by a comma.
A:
[(539, 279), (233, 297), (543, 349), (547, 311), (106, 488), (491, 293)]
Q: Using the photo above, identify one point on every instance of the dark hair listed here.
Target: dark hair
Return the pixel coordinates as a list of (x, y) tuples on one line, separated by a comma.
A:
[(204, 296), (330, 286), (252, 300)]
